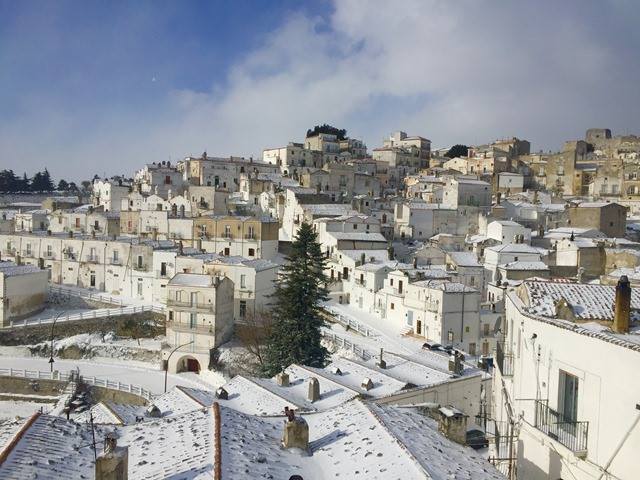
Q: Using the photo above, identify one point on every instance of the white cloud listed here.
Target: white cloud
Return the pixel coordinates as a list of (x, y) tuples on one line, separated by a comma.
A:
[(450, 71)]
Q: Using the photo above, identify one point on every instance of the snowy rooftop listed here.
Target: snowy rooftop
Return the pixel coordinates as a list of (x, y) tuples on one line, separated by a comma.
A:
[(11, 269), (332, 393), (192, 280), (444, 285), (380, 255), (516, 248), (358, 236), (525, 266), (588, 302), (322, 209), (464, 259)]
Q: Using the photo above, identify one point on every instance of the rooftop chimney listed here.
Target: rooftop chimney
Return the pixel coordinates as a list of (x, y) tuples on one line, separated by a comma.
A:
[(452, 423), (622, 306), (113, 463), (282, 379), (381, 363), (296, 431), (314, 390)]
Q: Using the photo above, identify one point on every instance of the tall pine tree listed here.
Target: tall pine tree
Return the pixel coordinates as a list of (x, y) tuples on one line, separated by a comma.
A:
[(301, 287)]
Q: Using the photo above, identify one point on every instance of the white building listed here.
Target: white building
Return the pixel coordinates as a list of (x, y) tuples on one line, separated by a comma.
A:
[(566, 381), (505, 231)]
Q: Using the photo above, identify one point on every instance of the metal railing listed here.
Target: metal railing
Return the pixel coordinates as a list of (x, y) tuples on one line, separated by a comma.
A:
[(186, 327), (348, 322), (90, 314), (189, 305), (504, 360), (65, 377), (570, 433), (92, 259), (346, 344)]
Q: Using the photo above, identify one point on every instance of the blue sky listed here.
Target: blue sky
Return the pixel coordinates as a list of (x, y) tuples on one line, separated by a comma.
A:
[(102, 87)]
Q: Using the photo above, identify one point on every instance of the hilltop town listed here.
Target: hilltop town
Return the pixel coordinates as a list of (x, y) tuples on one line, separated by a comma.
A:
[(479, 313)]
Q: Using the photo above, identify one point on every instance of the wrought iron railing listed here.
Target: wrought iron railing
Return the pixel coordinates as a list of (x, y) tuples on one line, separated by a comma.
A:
[(504, 360), (570, 433)]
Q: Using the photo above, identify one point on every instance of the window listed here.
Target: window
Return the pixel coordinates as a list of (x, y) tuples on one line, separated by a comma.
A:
[(140, 259), (170, 314), (226, 251), (466, 329), (193, 320), (243, 281), (472, 349), (163, 269), (485, 329), (115, 256), (243, 308), (140, 287), (252, 252), (28, 249), (393, 306), (568, 396), (49, 250)]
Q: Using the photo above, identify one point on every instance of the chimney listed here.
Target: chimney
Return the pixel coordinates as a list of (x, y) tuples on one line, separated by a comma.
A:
[(366, 384), (113, 463), (381, 363), (222, 394), (622, 306), (452, 423), (498, 198), (296, 431), (314, 390), (282, 379)]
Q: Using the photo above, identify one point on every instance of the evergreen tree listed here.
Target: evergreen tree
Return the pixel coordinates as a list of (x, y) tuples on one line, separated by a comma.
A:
[(41, 182), (295, 333), (24, 183), (63, 186), (457, 151), (8, 181)]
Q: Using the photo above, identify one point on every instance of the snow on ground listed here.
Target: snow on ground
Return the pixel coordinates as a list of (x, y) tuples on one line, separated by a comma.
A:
[(10, 409), (125, 371)]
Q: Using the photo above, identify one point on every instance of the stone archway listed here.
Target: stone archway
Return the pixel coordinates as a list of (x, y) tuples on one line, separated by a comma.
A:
[(188, 364)]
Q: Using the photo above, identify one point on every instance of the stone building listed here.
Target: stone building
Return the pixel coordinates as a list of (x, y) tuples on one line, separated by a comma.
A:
[(200, 311)]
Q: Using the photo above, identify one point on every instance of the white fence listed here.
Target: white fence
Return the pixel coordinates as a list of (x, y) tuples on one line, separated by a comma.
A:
[(346, 344), (349, 323), (64, 376), (89, 314), (87, 294)]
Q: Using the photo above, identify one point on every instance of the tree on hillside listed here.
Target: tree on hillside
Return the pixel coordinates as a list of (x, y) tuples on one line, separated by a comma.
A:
[(295, 332), (24, 184), (41, 182), (63, 186), (9, 182), (457, 151), (341, 133)]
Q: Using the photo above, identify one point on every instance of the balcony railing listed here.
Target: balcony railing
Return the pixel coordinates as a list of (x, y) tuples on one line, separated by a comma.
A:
[(92, 259), (115, 261), (140, 267), (570, 433), (250, 236), (186, 327), (186, 305), (504, 361)]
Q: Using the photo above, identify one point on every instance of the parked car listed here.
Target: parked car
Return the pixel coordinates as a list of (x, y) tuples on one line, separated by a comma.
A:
[(448, 348), (476, 438), (431, 346)]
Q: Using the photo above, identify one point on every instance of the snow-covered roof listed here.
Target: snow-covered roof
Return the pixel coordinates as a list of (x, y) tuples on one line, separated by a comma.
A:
[(358, 236), (444, 285), (515, 248), (192, 280), (519, 265), (337, 209), (464, 259), (11, 269), (588, 302)]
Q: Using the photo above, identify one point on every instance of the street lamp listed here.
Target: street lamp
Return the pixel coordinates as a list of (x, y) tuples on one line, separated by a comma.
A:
[(51, 360), (166, 370)]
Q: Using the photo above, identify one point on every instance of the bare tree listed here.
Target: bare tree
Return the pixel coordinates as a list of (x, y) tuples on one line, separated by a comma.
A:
[(253, 334)]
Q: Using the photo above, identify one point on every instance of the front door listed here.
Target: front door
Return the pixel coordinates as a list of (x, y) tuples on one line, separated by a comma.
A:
[(193, 365), (568, 397), (419, 327)]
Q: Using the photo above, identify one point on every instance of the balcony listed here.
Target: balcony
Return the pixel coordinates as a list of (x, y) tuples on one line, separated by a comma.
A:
[(504, 360), (115, 261), (186, 327), (250, 236), (228, 236), (49, 255), (9, 251), (92, 259), (140, 267), (570, 433), (188, 306)]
